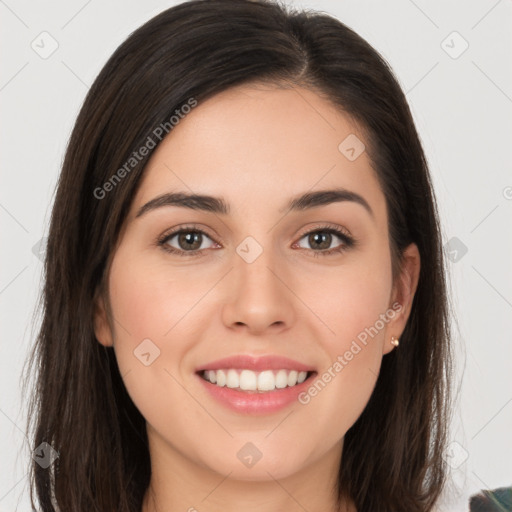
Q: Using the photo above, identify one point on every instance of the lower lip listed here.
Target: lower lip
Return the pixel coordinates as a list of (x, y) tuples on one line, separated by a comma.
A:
[(254, 402)]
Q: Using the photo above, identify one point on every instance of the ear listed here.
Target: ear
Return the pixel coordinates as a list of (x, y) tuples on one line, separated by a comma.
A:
[(403, 294), (102, 328)]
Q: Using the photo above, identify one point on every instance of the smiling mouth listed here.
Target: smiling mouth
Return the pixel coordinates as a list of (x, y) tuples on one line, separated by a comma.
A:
[(252, 381)]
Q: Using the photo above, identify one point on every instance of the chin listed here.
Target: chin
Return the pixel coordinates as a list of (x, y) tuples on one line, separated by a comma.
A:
[(247, 462)]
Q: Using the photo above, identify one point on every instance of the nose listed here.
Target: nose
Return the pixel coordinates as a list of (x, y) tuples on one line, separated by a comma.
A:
[(259, 296)]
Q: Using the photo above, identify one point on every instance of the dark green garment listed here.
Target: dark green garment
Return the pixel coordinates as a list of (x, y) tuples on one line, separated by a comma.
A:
[(496, 500)]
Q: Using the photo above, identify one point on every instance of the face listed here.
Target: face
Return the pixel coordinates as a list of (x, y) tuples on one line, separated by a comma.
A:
[(252, 291)]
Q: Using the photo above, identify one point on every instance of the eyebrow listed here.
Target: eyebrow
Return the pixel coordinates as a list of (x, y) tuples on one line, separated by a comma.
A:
[(218, 205)]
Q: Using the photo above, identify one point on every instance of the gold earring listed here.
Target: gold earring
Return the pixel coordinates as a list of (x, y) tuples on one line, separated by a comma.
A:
[(394, 341)]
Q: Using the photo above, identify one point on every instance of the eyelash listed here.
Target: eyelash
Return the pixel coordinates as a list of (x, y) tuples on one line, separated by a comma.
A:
[(348, 241)]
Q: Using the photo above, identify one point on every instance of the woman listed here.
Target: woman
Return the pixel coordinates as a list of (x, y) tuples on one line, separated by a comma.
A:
[(245, 301)]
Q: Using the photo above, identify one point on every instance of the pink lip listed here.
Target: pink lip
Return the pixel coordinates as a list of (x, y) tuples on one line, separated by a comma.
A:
[(255, 402), (257, 364)]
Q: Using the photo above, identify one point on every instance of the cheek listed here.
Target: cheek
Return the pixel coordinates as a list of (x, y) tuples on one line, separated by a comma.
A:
[(148, 300), (149, 308), (353, 307), (349, 300)]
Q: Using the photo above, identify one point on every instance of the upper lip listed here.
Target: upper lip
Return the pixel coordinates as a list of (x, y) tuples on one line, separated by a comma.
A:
[(257, 363)]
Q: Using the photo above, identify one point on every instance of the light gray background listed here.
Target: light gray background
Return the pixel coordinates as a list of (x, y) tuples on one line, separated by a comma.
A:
[(462, 108)]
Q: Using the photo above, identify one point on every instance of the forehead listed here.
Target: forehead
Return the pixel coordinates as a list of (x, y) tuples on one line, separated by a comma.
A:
[(257, 145)]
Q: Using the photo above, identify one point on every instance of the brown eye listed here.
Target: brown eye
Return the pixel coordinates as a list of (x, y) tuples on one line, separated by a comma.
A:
[(189, 241), (186, 242), (320, 241)]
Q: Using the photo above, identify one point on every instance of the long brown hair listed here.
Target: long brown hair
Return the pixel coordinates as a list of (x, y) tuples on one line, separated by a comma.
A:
[(393, 454)]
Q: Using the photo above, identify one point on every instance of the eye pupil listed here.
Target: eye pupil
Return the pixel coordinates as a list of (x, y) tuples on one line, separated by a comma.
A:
[(188, 240), (324, 239)]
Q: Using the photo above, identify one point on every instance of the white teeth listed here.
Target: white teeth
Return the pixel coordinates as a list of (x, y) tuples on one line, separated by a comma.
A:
[(221, 378), (266, 381), (248, 380), (292, 378), (281, 379), (232, 380)]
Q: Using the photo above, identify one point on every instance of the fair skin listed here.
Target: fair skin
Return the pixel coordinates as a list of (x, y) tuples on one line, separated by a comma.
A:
[(256, 146)]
